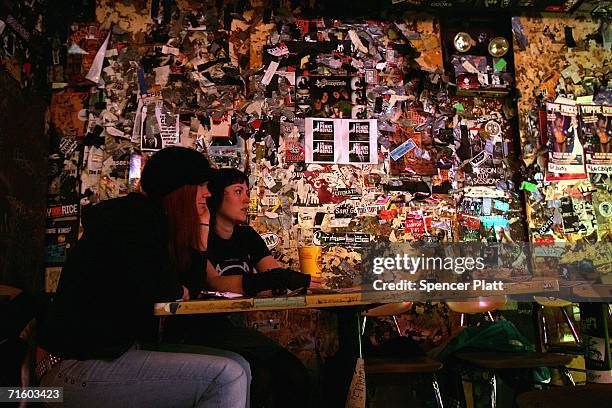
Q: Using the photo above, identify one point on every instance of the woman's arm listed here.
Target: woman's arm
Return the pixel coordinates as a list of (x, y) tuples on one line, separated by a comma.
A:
[(269, 262), (232, 283), (266, 263)]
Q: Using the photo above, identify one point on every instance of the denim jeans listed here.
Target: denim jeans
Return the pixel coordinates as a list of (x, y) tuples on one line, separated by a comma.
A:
[(279, 378), (195, 349), (144, 378)]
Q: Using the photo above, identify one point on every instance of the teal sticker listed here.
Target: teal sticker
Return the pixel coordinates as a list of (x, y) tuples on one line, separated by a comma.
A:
[(501, 205)]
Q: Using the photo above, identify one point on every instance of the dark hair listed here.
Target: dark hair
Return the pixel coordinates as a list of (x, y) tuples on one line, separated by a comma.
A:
[(223, 178)]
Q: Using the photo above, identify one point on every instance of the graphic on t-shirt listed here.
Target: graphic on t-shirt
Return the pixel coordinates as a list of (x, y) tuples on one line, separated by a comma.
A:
[(239, 254), (232, 267)]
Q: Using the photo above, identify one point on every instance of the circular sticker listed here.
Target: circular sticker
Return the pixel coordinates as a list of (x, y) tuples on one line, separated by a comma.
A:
[(605, 209), (272, 240), (498, 47), (463, 42), (493, 128)]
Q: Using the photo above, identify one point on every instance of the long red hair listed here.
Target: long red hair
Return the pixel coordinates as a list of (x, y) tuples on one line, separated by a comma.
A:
[(183, 226)]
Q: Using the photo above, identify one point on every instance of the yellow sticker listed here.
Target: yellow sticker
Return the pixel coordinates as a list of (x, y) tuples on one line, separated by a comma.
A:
[(253, 204), (304, 61), (277, 206)]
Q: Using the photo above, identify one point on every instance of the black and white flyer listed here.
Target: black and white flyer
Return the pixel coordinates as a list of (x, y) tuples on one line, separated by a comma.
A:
[(322, 140), (341, 141)]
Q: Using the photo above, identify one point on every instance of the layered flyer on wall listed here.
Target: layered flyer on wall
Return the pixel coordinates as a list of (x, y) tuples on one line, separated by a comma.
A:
[(596, 126), (343, 141), (566, 156)]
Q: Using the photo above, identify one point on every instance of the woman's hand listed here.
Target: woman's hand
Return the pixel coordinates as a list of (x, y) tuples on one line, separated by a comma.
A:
[(316, 282), (185, 293)]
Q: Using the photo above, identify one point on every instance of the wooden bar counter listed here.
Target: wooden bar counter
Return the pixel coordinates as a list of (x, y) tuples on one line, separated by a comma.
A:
[(354, 298)]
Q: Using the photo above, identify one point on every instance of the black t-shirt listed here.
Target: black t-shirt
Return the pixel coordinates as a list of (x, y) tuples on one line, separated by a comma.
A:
[(239, 254)]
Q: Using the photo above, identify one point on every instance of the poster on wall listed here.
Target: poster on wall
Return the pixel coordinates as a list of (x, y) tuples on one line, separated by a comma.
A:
[(159, 127), (60, 237), (338, 97), (294, 141), (67, 113), (115, 172), (566, 154), (361, 139), (63, 191), (168, 124), (412, 153), (341, 141), (596, 127), (602, 206), (303, 99), (321, 142), (282, 86)]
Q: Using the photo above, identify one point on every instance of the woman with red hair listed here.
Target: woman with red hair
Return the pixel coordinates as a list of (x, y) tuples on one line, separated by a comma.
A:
[(134, 251)]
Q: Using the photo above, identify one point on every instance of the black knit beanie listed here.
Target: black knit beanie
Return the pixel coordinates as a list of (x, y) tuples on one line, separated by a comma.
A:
[(172, 168)]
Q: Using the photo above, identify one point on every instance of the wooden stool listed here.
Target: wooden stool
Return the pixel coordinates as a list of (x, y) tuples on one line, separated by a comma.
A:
[(381, 369), (590, 395), (376, 367), (493, 361), (560, 304)]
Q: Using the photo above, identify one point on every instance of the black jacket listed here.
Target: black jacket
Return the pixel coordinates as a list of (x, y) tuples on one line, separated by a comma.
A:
[(118, 269)]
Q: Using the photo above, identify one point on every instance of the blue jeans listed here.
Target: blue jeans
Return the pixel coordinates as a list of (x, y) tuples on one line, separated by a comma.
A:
[(143, 378), (195, 349)]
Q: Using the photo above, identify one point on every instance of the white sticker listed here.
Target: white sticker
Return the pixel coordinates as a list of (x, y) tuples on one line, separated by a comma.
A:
[(357, 41), (605, 209), (170, 50), (269, 181), (271, 240), (270, 73), (113, 131)]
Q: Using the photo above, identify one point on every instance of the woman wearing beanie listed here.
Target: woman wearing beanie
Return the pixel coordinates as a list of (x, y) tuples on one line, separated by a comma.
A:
[(134, 251), (235, 251)]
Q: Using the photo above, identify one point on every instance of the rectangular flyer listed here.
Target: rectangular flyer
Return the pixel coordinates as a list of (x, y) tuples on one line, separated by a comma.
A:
[(159, 127), (596, 127), (222, 126), (322, 140), (341, 141), (362, 142), (60, 237), (294, 142), (566, 154), (337, 97)]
